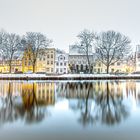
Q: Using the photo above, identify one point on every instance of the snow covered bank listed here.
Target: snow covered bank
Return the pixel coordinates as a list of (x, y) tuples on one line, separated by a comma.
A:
[(66, 77)]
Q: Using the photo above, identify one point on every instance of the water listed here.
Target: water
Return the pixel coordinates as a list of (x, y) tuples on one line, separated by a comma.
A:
[(40, 110)]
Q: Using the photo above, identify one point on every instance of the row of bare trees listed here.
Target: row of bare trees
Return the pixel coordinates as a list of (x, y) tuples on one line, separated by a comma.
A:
[(12, 44), (110, 46)]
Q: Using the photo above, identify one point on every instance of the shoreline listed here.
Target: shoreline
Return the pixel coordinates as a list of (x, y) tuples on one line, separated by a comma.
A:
[(67, 77)]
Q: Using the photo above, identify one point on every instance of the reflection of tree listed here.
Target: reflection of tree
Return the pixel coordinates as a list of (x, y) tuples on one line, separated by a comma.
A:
[(7, 112), (97, 102), (110, 106), (30, 110), (85, 107)]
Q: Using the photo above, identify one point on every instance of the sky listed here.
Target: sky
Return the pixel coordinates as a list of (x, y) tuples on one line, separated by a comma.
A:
[(62, 20)]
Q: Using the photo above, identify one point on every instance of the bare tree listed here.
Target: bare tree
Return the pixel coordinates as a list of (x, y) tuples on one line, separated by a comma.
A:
[(86, 38), (38, 43), (10, 44), (111, 47), (2, 42)]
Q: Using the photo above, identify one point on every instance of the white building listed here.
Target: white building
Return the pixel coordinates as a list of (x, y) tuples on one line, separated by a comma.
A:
[(78, 59), (61, 62), (137, 58)]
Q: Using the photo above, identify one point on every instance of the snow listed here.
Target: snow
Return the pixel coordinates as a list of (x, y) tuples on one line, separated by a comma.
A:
[(65, 75)]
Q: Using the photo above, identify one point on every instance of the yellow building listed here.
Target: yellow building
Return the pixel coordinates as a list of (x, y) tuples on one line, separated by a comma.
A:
[(50, 60), (16, 66), (44, 62), (27, 60), (124, 66)]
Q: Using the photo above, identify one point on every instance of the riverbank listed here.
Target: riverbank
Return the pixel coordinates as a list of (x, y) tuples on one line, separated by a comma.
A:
[(66, 77)]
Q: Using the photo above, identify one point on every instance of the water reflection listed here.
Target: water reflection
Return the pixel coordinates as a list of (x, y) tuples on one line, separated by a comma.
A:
[(25, 101), (103, 102)]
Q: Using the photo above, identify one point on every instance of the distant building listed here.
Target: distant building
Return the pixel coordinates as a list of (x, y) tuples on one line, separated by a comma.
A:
[(61, 62), (78, 59), (50, 60), (44, 62), (27, 59), (16, 64), (137, 59)]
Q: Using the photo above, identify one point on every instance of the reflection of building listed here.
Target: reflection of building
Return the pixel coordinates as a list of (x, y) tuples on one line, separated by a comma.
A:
[(61, 62), (38, 93), (10, 88), (45, 93), (133, 90), (74, 90)]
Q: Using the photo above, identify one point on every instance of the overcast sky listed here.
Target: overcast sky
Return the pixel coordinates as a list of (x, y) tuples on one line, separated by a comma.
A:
[(62, 20)]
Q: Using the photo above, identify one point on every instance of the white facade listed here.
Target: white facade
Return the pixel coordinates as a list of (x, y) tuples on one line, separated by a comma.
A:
[(137, 58), (78, 59), (61, 62)]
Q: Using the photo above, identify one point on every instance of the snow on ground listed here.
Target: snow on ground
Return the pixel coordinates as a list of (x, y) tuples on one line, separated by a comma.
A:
[(66, 75)]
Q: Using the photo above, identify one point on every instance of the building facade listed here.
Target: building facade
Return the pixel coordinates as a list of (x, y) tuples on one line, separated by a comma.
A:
[(44, 62), (137, 58), (78, 60), (61, 62)]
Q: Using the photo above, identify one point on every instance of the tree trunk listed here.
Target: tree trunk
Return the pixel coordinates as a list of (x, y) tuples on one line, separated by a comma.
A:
[(33, 68), (10, 67), (89, 66), (107, 69)]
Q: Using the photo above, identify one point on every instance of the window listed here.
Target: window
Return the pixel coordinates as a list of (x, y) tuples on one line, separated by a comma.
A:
[(44, 59), (112, 70), (61, 64), (48, 56), (57, 70), (48, 62), (60, 70), (57, 64), (51, 55), (51, 62), (61, 58), (40, 59), (65, 64), (51, 69), (118, 64)]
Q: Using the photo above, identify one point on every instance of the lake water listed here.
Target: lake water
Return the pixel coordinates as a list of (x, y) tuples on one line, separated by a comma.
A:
[(87, 110)]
